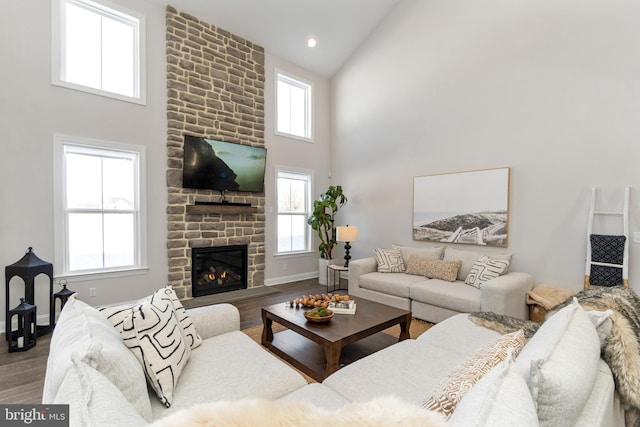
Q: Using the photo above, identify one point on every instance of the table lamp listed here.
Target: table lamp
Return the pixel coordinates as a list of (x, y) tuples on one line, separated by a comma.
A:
[(347, 234)]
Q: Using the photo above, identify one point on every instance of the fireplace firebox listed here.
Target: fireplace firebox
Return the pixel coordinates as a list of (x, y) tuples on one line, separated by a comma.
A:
[(218, 269)]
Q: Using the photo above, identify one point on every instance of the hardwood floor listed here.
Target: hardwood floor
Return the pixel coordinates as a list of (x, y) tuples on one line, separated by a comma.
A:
[(22, 373)]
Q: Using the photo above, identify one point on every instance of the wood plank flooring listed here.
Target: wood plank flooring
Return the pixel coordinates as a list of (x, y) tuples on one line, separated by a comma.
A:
[(22, 373)]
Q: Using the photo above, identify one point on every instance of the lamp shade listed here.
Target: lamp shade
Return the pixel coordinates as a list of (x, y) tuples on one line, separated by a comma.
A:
[(347, 234)]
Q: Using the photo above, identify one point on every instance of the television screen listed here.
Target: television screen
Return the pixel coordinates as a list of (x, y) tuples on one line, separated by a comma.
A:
[(219, 165)]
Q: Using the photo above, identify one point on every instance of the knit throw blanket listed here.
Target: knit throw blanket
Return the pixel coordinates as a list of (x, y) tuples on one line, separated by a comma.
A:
[(621, 350)]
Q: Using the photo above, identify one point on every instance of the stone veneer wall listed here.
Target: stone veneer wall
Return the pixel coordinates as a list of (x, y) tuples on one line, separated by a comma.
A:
[(215, 83)]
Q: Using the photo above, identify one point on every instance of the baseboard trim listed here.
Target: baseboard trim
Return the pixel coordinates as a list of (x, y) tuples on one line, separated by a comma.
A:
[(292, 278)]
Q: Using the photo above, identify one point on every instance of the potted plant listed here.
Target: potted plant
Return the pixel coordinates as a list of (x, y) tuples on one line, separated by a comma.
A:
[(322, 222)]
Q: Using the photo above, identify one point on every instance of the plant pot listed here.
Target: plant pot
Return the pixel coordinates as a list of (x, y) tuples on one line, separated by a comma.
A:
[(322, 270)]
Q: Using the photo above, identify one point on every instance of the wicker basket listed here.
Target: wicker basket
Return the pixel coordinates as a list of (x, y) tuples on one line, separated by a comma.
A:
[(537, 312)]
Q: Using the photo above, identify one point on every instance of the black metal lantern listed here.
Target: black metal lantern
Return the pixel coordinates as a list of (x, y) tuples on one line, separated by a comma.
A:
[(23, 338), (63, 295), (27, 269)]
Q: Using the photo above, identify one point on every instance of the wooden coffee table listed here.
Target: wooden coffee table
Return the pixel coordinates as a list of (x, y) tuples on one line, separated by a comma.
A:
[(319, 349)]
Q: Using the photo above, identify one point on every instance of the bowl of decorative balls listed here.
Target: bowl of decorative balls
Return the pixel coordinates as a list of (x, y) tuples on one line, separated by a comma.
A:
[(319, 315)]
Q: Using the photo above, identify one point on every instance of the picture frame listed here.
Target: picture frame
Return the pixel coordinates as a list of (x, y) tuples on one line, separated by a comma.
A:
[(469, 207)]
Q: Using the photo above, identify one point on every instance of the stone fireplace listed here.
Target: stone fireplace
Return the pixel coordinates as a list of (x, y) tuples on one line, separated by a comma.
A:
[(215, 89), (218, 269)]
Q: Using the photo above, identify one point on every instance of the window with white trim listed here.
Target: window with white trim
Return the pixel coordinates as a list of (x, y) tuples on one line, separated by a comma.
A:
[(293, 109), (98, 47), (99, 208), (293, 190)]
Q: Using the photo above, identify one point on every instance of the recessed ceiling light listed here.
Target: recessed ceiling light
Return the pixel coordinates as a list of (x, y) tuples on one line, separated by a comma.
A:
[(312, 42)]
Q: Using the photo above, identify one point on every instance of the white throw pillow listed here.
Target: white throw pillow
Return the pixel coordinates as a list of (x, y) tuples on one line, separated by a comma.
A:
[(560, 363), (82, 331), (93, 400), (121, 367), (484, 269), (500, 399), (389, 260), (157, 340)]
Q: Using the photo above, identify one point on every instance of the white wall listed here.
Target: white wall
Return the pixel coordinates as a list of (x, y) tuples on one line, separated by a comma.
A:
[(550, 88), (295, 153), (32, 110)]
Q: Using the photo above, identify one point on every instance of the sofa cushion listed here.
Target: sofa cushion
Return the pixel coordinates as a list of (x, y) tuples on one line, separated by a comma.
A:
[(433, 268), (93, 400), (425, 252), (398, 284), (228, 367), (389, 260), (457, 334), (83, 331), (451, 295), (484, 269), (448, 393), (467, 258), (411, 380), (152, 332), (318, 393), (560, 363), (500, 399)]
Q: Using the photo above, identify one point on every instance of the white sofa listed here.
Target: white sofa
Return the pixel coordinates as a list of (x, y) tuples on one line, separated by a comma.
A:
[(435, 300), (89, 369)]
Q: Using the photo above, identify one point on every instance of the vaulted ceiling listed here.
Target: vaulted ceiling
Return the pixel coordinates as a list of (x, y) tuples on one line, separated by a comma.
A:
[(283, 27)]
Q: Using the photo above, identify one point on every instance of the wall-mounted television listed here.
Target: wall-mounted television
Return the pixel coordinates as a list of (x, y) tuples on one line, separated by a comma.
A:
[(223, 166)]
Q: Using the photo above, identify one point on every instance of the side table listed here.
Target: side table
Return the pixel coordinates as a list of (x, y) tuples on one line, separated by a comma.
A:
[(333, 271)]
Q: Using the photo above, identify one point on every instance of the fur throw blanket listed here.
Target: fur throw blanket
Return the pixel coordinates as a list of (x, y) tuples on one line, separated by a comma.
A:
[(620, 350), (380, 412)]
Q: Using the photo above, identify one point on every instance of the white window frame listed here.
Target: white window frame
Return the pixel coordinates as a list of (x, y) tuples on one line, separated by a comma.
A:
[(113, 11), (283, 170), (308, 114), (61, 262)]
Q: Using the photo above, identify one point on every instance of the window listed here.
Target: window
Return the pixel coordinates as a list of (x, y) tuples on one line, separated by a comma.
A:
[(99, 48), (293, 109), (98, 206), (294, 205)]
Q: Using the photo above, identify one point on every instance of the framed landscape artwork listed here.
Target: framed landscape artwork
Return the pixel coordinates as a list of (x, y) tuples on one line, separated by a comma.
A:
[(464, 207)]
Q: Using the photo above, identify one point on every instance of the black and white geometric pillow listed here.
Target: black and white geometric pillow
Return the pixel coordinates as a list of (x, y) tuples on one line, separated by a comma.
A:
[(389, 260), (156, 339), (484, 269), (161, 298), (193, 339), (608, 249)]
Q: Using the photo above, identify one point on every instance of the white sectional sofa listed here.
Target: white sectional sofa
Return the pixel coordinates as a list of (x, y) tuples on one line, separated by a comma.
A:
[(434, 299), (90, 369)]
